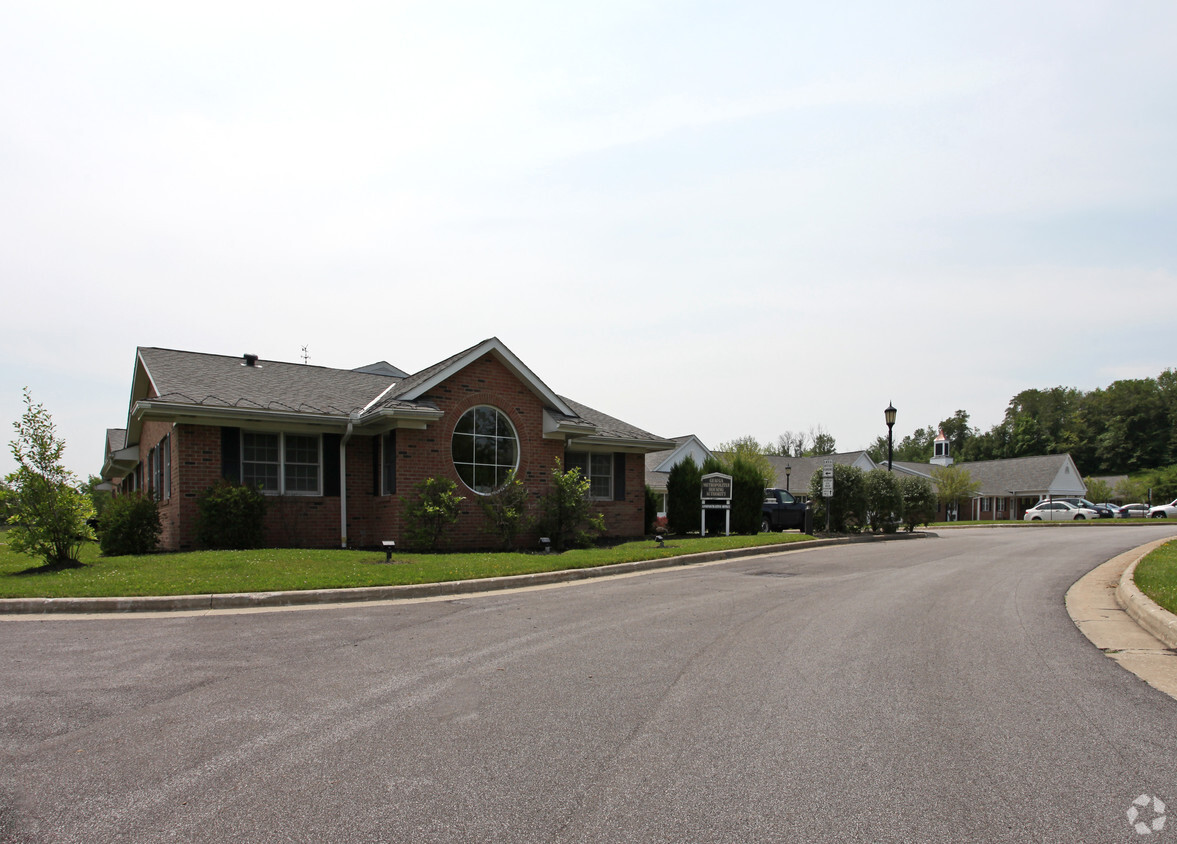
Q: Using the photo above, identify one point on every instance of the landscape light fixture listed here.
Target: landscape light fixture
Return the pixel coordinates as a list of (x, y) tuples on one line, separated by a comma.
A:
[(889, 415)]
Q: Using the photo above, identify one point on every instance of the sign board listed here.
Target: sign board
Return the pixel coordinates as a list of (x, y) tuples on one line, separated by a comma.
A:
[(716, 485), (827, 487), (724, 506), (827, 467)]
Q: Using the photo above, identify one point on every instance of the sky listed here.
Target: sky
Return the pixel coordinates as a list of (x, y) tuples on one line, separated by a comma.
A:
[(726, 219)]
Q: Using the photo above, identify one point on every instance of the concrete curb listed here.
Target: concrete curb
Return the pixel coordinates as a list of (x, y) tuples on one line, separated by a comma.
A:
[(1144, 611), (251, 600)]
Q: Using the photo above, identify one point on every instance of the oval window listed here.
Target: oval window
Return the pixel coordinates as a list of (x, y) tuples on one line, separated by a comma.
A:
[(485, 449)]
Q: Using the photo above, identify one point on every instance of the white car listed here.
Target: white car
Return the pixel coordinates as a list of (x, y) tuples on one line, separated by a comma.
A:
[(1164, 511), (1058, 511)]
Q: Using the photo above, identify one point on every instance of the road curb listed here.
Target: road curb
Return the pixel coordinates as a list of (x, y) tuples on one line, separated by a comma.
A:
[(1144, 611), (307, 597)]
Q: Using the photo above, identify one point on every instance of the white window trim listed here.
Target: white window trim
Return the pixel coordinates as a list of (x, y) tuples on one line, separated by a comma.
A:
[(588, 455), (514, 433), (318, 491)]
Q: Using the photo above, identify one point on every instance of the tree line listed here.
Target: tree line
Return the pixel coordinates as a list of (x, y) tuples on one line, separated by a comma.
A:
[(1127, 427)]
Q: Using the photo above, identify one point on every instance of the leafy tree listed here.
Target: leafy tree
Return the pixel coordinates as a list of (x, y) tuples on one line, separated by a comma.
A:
[(954, 484), (230, 516), (747, 448), (821, 442), (682, 496), (129, 524), (435, 508), (48, 513), (1163, 483), (506, 511), (847, 509), (1098, 489), (884, 500), (99, 498), (1132, 490), (919, 501), (568, 516)]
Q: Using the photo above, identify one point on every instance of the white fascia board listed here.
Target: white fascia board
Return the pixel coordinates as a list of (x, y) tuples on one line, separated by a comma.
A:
[(400, 417), (121, 461), (508, 359), (628, 446)]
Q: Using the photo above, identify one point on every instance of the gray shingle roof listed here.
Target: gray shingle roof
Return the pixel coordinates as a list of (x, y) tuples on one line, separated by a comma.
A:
[(608, 426), (219, 380)]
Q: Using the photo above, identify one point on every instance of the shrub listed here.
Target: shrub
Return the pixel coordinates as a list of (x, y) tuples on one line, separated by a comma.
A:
[(884, 501), (230, 516), (567, 516), (748, 484), (847, 509), (436, 507), (682, 496), (919, 501), (129, 524), (506, 511)]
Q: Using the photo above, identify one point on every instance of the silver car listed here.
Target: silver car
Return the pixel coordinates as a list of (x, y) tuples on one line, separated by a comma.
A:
[(1058, 511)]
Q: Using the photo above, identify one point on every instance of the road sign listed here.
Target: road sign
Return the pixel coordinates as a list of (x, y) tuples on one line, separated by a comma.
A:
[(827, 487), (827, 467)]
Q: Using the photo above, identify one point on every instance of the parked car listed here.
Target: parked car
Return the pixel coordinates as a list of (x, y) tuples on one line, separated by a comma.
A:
[(1058, 511), (1164, 511), (1105, 512), (1113, 508), (1133, 511), (781, 511)]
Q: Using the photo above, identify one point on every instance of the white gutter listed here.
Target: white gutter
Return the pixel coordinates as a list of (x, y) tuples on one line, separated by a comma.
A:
[(351, 421)]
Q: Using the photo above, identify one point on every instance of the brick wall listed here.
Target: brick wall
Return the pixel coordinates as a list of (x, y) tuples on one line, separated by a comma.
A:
[(314, 521)]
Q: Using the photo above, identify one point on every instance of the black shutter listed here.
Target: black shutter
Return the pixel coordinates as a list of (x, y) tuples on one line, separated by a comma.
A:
[(377, 464), (231, 454), (618, 476), (331, 465)]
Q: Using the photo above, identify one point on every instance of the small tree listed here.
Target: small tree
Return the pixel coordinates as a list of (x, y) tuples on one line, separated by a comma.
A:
[(1098, 489), (436, 507), (682, 496), (567, 515), (919, 501), (954, 484), (506, 511), (48, 513), (230, 516), (884, 500), (129, 524)]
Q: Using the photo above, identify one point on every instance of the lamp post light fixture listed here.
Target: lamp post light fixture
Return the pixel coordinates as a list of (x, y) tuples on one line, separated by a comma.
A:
[(788, 469), (889, 415)]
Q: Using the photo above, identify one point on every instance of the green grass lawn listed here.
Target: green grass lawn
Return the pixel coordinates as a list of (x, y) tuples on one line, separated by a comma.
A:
[(271, 569), (1156, 576)]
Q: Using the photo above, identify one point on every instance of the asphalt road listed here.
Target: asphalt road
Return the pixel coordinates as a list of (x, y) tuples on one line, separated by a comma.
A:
[(931, 690)]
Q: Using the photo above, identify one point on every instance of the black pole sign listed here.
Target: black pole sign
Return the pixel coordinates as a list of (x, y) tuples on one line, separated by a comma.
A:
[(717, 485)]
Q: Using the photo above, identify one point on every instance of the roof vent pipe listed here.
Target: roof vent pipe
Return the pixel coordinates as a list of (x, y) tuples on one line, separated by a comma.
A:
[(250, 360)]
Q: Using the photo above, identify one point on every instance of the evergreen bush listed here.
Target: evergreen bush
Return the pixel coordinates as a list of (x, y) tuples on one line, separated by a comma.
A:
[(129, 524), (230, 516)]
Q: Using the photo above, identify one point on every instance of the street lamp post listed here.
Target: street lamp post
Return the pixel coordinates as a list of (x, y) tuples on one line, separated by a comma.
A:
[(889, 415), (788, 469)]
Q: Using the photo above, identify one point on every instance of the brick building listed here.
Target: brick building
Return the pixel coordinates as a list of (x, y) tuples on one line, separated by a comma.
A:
[(339, 451)]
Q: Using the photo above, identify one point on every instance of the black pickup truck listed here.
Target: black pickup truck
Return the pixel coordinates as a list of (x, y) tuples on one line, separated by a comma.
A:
[(781, 511)]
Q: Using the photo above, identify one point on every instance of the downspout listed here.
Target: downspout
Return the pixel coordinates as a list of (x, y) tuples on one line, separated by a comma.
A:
[(351, 422)]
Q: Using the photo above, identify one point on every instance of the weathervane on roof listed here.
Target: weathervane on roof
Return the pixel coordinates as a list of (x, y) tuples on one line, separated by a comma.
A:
[(306, 356)]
